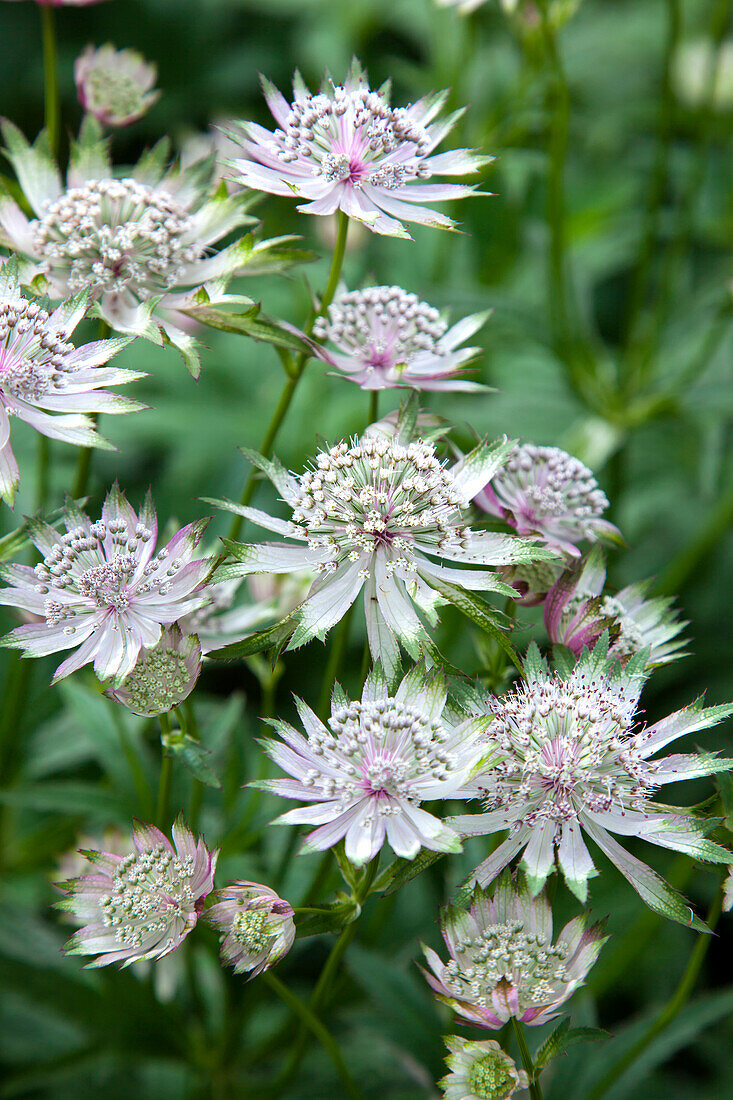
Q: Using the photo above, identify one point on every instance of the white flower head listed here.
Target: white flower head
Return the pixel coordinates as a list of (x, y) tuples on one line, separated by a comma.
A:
[(480, 1071), (368, 516), (141, 245), (547, 492), (102, 589), (503, 962), (48, 382), (566, 758), (348, 149), (577, 612), (142, 905), (365, 775), (386, 337), (257, 925), (163, 676), (115, 85)]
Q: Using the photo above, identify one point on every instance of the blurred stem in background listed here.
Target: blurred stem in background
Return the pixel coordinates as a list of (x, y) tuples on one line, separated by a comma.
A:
[(296, 370), (673, 1007), (166, 769), (535, 1089), (84, 461)]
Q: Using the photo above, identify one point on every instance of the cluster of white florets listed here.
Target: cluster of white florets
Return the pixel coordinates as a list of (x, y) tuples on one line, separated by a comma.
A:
[(32, 358), (67, 568), (109, 235), (505, 953), (379, 748), (345, 133), (108, 89), (565, 746), (550, 481), (378, 494), (149, 891), (381, 321)]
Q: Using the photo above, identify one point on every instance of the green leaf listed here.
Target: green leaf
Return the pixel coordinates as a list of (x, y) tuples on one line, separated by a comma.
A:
[(195, 757), (331, 917), (479, 613), (401, 871), (274, 637), (257, 326), (563, 1037)]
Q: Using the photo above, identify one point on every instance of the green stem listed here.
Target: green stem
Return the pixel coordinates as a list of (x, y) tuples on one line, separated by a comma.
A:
[(673, 1007), (290, 386), (309, 1020), (335, 660), (44, 463), (535, 1089), (84, 462), (50, 72), (166, 770), (373, 406)]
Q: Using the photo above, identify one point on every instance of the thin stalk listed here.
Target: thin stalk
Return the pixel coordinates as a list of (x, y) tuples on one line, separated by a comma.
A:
[(673, 1007), (166, 770), (335, 660), (84, 462), (309, 1020), (44, 464), (52, 110), (373, 406), (535, 1089), (297, 373)]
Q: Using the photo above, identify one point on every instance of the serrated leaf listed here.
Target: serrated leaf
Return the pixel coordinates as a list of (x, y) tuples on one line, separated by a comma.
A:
[(274, 636), (193, 754), (479, 613), (401, 871), (563, 1037)]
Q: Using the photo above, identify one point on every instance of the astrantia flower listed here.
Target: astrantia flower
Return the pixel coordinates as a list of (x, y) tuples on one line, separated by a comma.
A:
[(567, 758), (386, 337), (258, 926), (480, 1071), (141, 245), (503, 963), (545, 491), (48, 382), (365, 777), (140, 906), (102, 590), (370, 515), (348, 149), (115, 85), (163, 676), (576, 614)]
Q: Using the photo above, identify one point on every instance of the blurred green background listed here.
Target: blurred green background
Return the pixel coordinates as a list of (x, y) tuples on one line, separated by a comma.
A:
[(605, 254)]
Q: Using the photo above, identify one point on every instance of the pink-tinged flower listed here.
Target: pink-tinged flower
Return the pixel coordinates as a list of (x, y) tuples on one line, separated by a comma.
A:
[(141, 245), (386, 337), (101, 588), (365, 777), (140, 906), (258, 926), (368, 516), (115, 85), (480, 1071), (566, 758), (576, 614), (347, 149), (545, 491), (163, 676), (503, 963), (48, 382)]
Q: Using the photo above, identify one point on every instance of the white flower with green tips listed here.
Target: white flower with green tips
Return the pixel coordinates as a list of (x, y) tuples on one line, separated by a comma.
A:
[(369, 516), (480, 1071), (115, 85), (48, 382), (566, 758), (140, 244), (365, 775)]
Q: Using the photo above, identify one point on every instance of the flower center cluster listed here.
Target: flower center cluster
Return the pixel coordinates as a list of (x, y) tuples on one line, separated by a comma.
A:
[(383, 325), (545, 482), (148, 892), (110, 235), (158, 681), (97, 565), (383, 751), (115, 92), (32, 358), (489, 1078), (354, 136), (378, 495), (504, 954), (630, 638), (565, 747), (250, 929)]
